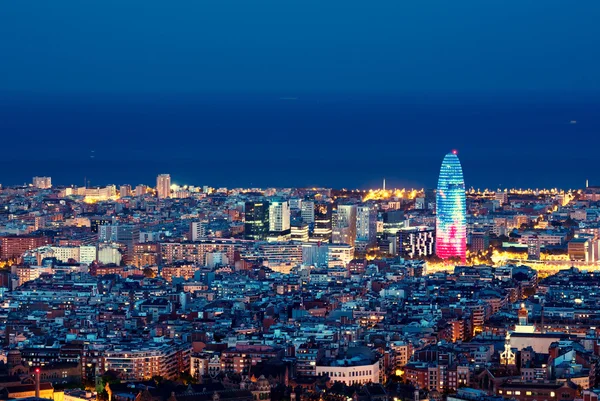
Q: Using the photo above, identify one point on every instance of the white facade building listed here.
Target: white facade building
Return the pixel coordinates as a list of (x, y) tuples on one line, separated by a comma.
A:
[(87, 254), (197, 230), (109, 253), (350, 372), (279, 216)]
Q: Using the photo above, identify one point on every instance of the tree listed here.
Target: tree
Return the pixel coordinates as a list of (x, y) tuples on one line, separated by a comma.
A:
[(158, 379), (109, 377), (186, 378), (149, 272)]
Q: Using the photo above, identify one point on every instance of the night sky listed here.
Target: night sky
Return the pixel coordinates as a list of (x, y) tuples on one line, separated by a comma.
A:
[(346, 91)]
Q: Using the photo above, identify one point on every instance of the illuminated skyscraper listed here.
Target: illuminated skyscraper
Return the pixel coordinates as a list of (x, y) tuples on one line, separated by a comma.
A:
[(451, 210), (279, 220), (256, 225), (323, 227)]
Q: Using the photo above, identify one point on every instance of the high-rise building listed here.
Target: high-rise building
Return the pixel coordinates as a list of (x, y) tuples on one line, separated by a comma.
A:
[(366, 224), (295, 203), (42, 182), (415, 242), (451, 210), (125, 191), (307, 211), (279, 220), (299, 232), (393, 220), (141, 190), (126, 234), (197, 230), (322, 227), (256, 226), (429, 199), (163, 186), (344, 230)]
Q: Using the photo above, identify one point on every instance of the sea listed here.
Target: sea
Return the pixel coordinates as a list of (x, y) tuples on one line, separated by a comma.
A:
[(300, 140)]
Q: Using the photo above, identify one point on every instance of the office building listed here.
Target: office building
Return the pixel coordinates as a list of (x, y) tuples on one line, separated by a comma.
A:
[(307, 211), (322, 224), (256, 225), (295, 204), (451, 210), (279, 221), (299, 232), (393, 220), (126, 234), (344, 230), (280, 253), (366, 224), (415, 242)]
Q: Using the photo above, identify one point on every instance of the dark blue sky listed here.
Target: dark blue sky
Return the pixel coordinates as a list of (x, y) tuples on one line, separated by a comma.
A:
[(384, 88), (295, 46)]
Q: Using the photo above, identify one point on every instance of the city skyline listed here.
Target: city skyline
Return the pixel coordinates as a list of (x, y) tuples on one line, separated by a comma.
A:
[(243, 200)]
